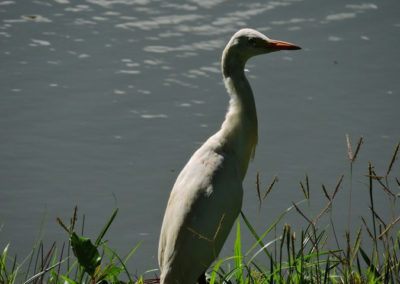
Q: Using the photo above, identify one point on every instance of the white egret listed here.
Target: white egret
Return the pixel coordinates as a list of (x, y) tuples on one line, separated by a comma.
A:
[(207, 195)]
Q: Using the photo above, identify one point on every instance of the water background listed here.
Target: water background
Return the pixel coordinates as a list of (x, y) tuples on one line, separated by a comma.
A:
[(102, 102)]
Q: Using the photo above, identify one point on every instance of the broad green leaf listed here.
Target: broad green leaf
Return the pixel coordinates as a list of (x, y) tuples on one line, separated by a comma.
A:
[(86, 253)]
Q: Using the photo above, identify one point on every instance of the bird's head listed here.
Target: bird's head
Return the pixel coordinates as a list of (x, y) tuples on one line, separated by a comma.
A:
[(247, 43)]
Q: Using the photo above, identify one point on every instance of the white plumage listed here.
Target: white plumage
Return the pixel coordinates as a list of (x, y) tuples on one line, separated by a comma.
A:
[(207, 196)]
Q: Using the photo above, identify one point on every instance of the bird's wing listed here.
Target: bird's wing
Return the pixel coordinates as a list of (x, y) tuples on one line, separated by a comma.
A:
[(203, 205)]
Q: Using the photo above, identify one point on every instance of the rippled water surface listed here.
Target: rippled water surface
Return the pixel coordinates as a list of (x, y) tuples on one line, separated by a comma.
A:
[(103, 101)]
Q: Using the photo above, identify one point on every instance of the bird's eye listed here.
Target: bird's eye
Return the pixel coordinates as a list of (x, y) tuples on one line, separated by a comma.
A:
[(253, 42)]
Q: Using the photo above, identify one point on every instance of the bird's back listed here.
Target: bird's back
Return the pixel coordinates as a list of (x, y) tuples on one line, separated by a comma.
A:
[(203, 205)]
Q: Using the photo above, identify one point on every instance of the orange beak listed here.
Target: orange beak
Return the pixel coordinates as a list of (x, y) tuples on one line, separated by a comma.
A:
[(282, 45)]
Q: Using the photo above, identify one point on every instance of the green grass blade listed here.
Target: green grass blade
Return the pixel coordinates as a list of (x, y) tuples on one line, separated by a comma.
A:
[(3, 267), (369, 263), (261, 249), (103, 232), (238, 255), (259, 239), (122, 263), (67, 280), (44, 271), (216, 269), (132, 252)]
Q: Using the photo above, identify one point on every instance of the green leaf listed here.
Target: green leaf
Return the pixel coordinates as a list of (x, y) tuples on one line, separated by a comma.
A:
[(3, 261), (259, 239), (67, 280), (238, 255), (120, 260), (113, 271), (104, 230), (110, 272), (131, 253), (216, 268), (369, 263), (86, 253)]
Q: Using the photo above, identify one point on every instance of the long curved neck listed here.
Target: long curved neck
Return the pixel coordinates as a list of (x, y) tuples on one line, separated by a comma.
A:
[(240, 125)]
